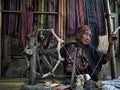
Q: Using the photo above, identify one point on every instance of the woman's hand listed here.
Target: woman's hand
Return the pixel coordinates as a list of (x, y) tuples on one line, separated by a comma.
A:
[(113, 38)]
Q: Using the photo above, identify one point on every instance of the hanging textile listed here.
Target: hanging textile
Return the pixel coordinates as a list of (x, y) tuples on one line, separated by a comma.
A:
[(39, 17), (42, 16), (27, 21), (11, 22), (92, 22), (76, 15), (70, 16), (11, 19), (50, 19), (85, 12), (62, 18), (55, 17), (100, 17), (81, 12), (91, 15), (47, 20), (49, 10)]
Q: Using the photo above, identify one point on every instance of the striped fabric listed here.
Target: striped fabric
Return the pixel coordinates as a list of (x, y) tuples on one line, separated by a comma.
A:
[(91, 15), (71, 13), (27, 22), (68, 17), (12, 19), (76, 15), (49, 10), (39, 7), (62, 18), (92, 22), (81, 12), (55, 22), (42, 16), (85, 12), (100, 17), (72, 17), (46, 20)]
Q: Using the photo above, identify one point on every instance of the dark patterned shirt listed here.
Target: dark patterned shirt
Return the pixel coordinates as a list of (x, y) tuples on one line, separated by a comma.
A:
[(94, 58)]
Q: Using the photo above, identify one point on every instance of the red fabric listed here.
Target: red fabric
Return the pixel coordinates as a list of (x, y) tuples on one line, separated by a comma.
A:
[(63, 87), (81, 13)]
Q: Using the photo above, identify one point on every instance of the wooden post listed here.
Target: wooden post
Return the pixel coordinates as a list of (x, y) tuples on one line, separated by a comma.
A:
[(110, 29), (32, 76), (0, 36)]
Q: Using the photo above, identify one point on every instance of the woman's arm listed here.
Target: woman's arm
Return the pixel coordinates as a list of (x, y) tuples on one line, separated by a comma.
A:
[(109, 55)]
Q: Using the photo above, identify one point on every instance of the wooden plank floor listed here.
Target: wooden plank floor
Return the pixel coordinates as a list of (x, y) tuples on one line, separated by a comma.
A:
[(16, 83), (12, 83)]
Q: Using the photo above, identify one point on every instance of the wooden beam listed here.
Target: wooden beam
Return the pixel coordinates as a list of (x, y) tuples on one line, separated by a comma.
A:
[(110, 29), (35, 12)]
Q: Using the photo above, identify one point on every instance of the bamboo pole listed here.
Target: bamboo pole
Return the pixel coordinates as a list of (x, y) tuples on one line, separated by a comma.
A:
[(110, 29), (35, 12)]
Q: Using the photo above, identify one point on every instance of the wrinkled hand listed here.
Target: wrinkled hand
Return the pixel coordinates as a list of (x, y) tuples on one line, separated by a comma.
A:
[(113, 38)]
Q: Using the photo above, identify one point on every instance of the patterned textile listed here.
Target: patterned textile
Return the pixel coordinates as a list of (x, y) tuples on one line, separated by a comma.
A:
[(11, 20), (62, 18), (90, 53), (47, 20), (27, 21), (27, 26), (100, 17), (92, 21), (91, 15), (76, 15), (69, 15), (82, 61)]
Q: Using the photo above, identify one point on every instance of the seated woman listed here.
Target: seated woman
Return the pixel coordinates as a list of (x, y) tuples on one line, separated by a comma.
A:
[(88, 59)]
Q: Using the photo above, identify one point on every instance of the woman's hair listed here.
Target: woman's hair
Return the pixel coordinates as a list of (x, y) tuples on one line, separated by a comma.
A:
[(82, 28)]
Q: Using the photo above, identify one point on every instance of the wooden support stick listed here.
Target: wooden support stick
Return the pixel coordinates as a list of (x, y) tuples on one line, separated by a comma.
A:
[(110, 29), (35, 12)]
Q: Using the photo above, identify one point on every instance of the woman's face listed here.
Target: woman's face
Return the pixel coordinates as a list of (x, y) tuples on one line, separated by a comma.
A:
[(84, 37)]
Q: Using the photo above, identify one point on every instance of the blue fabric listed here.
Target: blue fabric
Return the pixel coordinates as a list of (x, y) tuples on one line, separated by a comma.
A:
[(92, 22)]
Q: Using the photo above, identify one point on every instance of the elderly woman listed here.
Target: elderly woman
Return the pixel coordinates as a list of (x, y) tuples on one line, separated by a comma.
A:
[(88, 59)]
